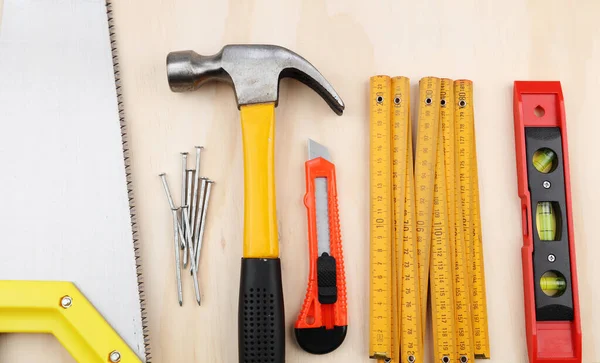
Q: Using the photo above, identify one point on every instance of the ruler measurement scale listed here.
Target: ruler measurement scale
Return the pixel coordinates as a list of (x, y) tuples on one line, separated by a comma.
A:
[(411, 337), (400, 88), (462, 301), (427, 131), (442, 267), (381, 219), (463, 91)]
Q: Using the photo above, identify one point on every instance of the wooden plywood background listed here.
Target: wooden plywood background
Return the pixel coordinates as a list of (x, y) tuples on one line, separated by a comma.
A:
[(492, 43)]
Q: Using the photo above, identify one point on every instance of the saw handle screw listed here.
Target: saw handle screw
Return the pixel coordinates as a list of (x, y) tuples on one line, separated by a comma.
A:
[(66, 302), (114, 356)]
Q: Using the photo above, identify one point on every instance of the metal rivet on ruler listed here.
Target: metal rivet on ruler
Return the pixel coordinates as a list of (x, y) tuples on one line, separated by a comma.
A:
[(115, 356), (397, 100), (379, 99), (462, 103), (546, 184), (66, 302), (551, 258), (411, 358)]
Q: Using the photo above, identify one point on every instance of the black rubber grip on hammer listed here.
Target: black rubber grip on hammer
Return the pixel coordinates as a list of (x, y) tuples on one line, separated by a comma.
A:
[(261, 329)]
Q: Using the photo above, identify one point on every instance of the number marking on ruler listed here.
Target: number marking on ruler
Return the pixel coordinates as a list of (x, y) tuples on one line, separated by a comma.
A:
[(427, 131), (469, 188), (411, 334), (462, 301), (442, 267), (380, 219)]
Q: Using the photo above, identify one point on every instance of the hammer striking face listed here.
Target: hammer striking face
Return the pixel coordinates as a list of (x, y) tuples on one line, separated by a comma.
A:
[(254, 72)]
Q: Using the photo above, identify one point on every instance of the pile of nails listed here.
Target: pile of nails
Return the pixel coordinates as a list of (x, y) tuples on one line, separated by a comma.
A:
[(189, 220)]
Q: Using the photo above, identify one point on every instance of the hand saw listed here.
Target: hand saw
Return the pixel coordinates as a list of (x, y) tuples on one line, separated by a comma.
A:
[(322, 324), (69, 264)]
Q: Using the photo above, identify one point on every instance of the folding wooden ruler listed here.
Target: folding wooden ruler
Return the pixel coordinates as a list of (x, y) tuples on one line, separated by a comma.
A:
[(435, 220), (549, 271)]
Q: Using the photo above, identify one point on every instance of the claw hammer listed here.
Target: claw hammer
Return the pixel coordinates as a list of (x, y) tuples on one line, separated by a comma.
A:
[(254, 72)]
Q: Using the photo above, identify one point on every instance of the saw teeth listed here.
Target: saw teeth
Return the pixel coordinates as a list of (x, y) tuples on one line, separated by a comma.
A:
[(132, 213)]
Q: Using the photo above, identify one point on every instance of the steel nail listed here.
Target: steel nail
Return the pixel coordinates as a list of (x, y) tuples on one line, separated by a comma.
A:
[(192, 262), (177, 257), (196, 182), (184, 186), (185, 235), (163, 177), (198, 223), (198, 247)]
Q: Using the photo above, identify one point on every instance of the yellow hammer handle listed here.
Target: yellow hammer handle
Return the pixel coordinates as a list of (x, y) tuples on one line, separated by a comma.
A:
[(260, 221)]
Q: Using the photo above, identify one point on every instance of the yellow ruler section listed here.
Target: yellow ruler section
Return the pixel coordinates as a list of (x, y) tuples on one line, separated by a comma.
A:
[(381, 219), (427, 134), (469, 188), (400, 118), (442, 267), (479, 299), (462, 301), (411, 337)]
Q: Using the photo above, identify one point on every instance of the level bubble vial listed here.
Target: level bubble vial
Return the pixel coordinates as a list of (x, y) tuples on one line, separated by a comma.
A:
[(553, 283), (545, 160)]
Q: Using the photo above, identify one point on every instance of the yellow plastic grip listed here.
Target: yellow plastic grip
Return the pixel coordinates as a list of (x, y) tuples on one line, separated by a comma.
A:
[(59, 308), (260, 221)]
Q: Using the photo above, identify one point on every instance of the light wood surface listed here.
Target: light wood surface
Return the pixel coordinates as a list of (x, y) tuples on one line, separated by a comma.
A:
[(492, 43)]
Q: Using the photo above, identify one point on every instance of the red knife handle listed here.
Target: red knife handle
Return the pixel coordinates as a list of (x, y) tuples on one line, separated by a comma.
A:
[(321, 327), (552, 323)]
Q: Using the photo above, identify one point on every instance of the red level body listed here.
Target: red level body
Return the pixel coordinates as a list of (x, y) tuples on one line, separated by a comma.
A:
[(552, 322)]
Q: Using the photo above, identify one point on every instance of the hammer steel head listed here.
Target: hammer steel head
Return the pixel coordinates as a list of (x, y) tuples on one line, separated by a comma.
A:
[(254, 72)]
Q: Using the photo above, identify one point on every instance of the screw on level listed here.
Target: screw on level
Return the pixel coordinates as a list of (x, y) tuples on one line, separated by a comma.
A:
[(115, 356), (66, 302), (551, 258), (546, 184)]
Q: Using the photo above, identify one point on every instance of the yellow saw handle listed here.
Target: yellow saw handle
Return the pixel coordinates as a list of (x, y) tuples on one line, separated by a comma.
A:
[(260, 223)]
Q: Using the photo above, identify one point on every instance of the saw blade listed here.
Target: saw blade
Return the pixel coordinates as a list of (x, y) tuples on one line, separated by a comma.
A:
[(66, 207), (316, 150)]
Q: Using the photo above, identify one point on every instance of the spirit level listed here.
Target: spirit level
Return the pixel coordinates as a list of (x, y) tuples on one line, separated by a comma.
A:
[(548, 253)]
